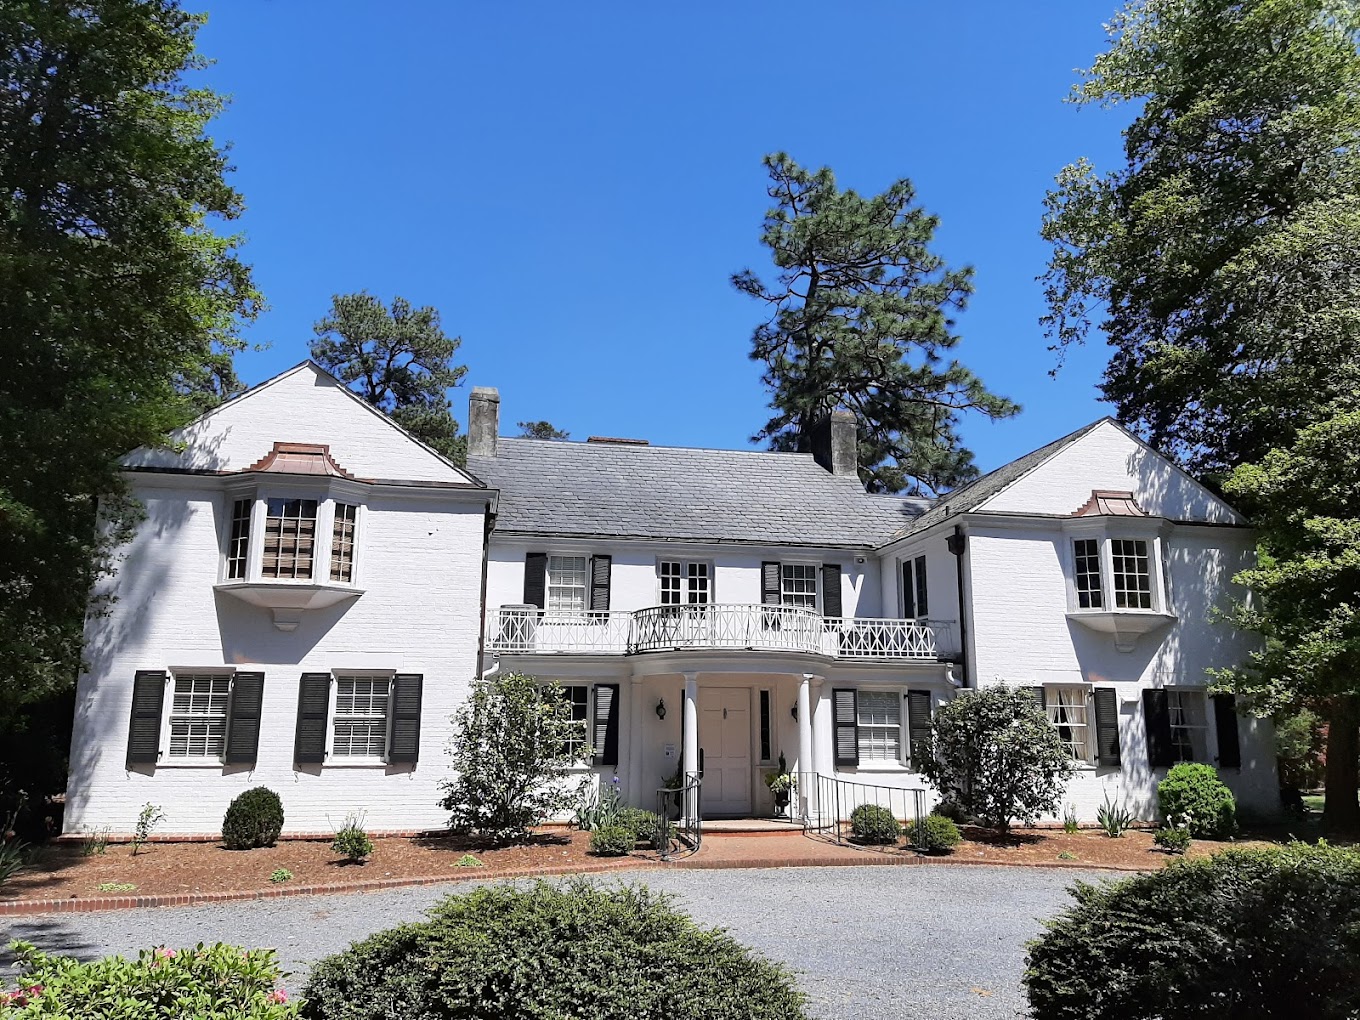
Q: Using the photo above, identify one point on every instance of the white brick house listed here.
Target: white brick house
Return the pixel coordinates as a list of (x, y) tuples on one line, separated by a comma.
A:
[(703, 607)]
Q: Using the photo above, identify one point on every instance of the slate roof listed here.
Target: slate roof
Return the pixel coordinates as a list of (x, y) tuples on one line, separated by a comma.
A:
[(975, 493), (665, 492)]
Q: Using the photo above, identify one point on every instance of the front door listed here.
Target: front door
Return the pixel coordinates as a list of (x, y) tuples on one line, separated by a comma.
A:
[(725, 737)]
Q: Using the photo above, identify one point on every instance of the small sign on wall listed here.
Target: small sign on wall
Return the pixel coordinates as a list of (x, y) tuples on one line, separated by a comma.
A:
[(670, 752)]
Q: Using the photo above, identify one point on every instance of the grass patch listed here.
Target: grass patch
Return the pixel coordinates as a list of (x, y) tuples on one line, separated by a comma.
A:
[(1314, 801), (116, 886)]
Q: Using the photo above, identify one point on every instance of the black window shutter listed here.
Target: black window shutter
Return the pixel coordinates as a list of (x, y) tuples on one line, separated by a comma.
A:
[(535, 578), (405, 745), (1225, 723), (908, 592), (769, 583), (922, 603), (1107, 726), (1037, 693), (1157, 720), (605, 735), (831, 589), (144, 729), (918, 726), (243, 730), (599, 583), (765, 726), (314, 701), (845, 703)]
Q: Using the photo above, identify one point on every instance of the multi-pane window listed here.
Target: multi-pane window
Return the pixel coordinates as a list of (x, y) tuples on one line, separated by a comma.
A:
[(238, 544), (198, 715), (684, 583), (1131, 573), (1188, 726), (1067, 712), (880, 726), (578, 697), (567, 578), (289, 538), (342, 542), (361, 716), (1086, 555), (798, 585)]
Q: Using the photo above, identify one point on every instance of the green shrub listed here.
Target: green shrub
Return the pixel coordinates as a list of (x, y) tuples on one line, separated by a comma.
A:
[(253, 819), (550, 951), (1172, 839), (597, 809), (1245, 933), (351, 841), (873, 823), (148, 818), (934, 834), (14, 857), (207, 982), (468, 861), (279, 875), (1193, 796), (1113, 819), (952, 810), (646, 826), (612, 841)]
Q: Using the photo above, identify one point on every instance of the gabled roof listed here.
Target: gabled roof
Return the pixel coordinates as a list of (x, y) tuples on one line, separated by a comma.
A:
[(615, 490), (975, 493)]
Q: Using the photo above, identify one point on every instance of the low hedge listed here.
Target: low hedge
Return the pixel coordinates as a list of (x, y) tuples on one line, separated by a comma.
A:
[(1245, 933), (935, 834), (253, 819), (612, 841), (1192, 796), (551, 952), (873, 823)]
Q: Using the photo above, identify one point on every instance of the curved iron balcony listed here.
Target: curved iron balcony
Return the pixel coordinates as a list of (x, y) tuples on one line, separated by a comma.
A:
[(528, 630)]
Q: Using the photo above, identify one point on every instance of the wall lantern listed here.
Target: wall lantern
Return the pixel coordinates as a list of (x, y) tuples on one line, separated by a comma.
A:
[(661, 708), (794, 710)]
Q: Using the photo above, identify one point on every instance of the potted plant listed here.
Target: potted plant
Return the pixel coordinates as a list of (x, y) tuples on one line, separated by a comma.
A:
[(782, 784)]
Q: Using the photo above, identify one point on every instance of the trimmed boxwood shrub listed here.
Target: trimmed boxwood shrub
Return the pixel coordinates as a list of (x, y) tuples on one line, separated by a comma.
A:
[(645, 825), (214, 982), (552, 951), (873, 823), (935, 834), (1245, 933), (612, 841), (253, 819), (1194, 797)]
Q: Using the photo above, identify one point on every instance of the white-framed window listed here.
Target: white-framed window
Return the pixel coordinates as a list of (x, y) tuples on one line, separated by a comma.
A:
[(1086, 573), (289, 538), (360, 719), (685, 583), (1189, 725), (198, 716), (567, 581), (343, 529), (1131, 573), (238, 540), (578, 697), (880, 726), (798, 585), (1068, 708)]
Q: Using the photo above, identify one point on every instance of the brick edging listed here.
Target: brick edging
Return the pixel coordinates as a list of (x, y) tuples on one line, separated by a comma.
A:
[(70, 905)]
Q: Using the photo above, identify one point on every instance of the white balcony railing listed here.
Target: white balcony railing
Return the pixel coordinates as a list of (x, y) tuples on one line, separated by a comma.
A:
[(526, 629)]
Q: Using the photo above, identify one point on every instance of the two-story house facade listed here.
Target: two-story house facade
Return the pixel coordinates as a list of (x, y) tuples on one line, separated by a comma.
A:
[(313, 593)]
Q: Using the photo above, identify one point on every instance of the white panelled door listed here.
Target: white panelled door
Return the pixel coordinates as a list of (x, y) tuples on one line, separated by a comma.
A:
[(725, 736)]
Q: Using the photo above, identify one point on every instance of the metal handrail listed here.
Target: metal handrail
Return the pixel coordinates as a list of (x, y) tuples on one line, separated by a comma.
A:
[(689, 831), (828, 807)]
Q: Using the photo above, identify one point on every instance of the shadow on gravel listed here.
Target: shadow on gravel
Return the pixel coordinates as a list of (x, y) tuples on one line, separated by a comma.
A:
[(59, 937)]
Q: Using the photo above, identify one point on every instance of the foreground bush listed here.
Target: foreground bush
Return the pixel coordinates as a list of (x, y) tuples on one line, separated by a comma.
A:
[(935, 834), (612, 841), (550, 952), (253, 819), (207, 983), (1193, 797), (1245, 933), (873, 823)]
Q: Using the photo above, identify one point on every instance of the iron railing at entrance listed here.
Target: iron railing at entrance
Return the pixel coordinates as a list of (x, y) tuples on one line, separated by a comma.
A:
[(682, 820), (828, 802)]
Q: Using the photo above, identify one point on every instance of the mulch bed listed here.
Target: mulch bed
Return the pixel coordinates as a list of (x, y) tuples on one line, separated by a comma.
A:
[(1090, 848), (168, 869)]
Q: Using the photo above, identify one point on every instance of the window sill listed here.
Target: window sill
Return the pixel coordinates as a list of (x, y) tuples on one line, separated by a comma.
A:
[(1126, 625), (288, 600), (191, 763), (884, 767), (354, 763)]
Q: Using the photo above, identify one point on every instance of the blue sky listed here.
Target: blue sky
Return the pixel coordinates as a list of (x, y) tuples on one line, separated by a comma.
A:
[(572, 185)]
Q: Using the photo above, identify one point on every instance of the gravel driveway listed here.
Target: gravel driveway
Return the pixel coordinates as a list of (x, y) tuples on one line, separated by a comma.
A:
[(872, 942)]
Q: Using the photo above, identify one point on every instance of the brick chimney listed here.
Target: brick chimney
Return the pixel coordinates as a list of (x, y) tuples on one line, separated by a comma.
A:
[(835, 443), (484, 421)]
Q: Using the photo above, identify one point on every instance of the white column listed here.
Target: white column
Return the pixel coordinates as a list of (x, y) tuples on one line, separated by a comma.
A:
[(636, 795), (820, 741), (690, 752), (807, 770)]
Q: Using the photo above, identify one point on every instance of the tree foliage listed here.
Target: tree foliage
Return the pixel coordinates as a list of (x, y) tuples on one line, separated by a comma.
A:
[(121, 299), (541, 430), (1223, 259), (513, 758), (399, 360), (994, 753), (861, 317)]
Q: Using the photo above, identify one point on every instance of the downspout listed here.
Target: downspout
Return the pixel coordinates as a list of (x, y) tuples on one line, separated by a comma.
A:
[(488, 527), (958, 545)]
